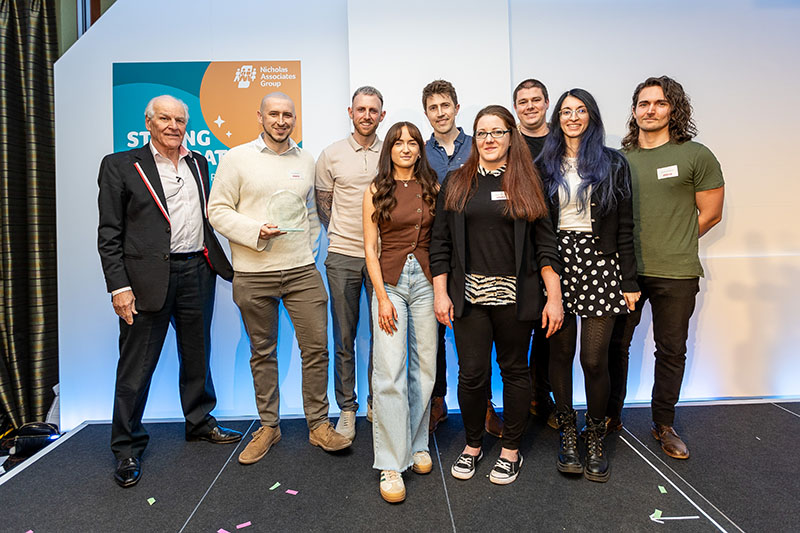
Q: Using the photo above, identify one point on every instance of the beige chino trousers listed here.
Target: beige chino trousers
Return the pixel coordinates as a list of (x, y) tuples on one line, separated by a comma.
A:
[(258, 295)]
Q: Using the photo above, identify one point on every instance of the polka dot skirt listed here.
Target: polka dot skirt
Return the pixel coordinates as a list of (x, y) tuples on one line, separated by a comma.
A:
[(590, 281)]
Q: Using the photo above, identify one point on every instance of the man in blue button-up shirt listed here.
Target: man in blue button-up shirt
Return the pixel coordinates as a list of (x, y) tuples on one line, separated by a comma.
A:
[(446, 150), (449, 147)]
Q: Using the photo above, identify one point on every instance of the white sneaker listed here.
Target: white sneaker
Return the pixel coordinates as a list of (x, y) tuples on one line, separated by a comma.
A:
[(346, 425), (393, 490), (422, 463)]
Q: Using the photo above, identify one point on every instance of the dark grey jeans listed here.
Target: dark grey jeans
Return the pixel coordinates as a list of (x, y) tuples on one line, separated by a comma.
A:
[(346, 275)]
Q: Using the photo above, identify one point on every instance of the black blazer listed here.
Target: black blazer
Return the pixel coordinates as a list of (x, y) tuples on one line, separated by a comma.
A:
[(133, 235), (535, 246), (614, 229)]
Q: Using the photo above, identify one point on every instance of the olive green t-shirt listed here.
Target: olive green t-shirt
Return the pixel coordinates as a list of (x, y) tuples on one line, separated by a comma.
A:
[(665, 180)]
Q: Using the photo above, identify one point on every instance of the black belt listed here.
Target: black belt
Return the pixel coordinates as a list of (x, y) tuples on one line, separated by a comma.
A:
[(185, 256)]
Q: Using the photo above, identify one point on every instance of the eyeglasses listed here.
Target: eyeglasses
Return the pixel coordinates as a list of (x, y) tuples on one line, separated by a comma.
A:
[(580, 112), (482, 135)]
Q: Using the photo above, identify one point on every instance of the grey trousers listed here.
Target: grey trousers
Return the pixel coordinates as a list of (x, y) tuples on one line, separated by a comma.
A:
[(258, 295), (346, 275)]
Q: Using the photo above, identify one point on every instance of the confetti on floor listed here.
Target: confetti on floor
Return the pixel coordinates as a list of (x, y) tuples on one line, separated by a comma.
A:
[(661, 489), (151, 501), (243, 525), (275, 486), (292, 492)]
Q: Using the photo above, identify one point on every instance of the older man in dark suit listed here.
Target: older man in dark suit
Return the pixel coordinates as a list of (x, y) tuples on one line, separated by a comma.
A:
[(160, 260)]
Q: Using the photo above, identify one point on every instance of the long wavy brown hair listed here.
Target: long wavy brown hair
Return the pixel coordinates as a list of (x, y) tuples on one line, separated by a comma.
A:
[(383, 198), (681, 125), (521, 181)]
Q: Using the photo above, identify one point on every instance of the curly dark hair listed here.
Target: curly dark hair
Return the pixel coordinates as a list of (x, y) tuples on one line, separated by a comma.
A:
[(383, 198), (681, 124), (521, 181)]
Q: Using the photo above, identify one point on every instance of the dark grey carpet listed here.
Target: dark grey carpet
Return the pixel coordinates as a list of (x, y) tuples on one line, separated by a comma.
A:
[(742, 473)]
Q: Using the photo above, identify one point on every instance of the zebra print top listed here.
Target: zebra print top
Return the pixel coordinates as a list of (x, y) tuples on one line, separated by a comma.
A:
[(490, 290)]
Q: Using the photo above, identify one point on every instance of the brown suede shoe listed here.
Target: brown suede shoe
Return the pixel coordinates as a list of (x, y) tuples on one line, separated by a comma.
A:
[(259, 445), (438, 413), (671, 443), (494, 424), (326, 438)]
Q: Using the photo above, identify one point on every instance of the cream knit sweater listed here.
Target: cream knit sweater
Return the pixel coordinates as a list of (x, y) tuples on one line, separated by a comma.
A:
[(246, 179)]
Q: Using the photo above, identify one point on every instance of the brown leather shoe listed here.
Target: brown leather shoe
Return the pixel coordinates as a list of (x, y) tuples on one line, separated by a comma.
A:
[(438, 413), (494, 424), (545, 409), (671, 443), (613, 424)]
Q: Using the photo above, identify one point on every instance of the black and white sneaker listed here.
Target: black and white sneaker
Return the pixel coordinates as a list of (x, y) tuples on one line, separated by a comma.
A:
[(464, 467), (505, 471)]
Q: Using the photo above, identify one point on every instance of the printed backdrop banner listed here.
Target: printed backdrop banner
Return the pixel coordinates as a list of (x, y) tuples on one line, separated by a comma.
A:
[(223, 97)]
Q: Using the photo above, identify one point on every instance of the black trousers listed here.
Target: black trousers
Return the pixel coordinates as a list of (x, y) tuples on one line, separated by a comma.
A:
[(540, 363), (188, 307), (478, 328), (440, 385), (672, 302)]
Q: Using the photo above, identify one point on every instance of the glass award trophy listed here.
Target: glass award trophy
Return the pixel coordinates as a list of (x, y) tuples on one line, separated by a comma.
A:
[(287, 210)]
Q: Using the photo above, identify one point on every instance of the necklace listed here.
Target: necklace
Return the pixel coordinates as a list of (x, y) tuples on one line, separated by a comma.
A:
[(405, 182)]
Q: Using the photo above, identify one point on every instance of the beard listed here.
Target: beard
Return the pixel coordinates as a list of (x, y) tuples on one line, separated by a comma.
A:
[(277, 139), (366, 132)]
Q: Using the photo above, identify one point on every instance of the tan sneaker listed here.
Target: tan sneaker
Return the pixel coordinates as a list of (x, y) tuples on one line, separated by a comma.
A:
[(392, 488), (422, 463), (346, 426), (260, 444), (326, 438)]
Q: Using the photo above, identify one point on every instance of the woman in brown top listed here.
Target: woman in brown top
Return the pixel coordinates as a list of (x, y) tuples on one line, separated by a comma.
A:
[(399, 207)]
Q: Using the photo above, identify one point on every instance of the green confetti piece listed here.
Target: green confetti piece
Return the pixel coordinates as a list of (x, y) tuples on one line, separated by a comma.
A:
[(657, 514), (151, 501), (275, 486), (661, 489)]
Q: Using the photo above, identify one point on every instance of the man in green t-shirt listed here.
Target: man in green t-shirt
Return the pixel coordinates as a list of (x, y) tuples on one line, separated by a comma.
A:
[(678, 193)]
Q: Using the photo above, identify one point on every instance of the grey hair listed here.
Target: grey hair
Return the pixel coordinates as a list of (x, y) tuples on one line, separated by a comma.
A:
[(150, 111), (368, 90)]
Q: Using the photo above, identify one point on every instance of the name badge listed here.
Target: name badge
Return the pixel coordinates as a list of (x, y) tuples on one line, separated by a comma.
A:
[(295, 176), (499, 195), (667, 172)]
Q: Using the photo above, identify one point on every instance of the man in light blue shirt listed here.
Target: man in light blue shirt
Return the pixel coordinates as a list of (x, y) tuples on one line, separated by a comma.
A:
[(446, 150)]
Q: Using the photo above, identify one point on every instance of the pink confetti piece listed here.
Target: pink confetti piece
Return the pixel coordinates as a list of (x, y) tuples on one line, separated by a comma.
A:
[(220, 530), (245, 524), (29, 531), (292, 492)]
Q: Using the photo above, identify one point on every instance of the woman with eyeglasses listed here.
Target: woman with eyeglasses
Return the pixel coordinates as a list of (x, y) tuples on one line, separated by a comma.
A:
[(398, 212), (492, 244), (589, 187)]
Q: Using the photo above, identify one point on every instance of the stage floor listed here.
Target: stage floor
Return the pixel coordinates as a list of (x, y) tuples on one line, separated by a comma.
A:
[(742, 476)]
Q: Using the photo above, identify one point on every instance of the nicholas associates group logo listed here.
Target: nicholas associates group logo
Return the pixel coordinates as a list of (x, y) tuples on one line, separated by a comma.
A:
[(244, 75)]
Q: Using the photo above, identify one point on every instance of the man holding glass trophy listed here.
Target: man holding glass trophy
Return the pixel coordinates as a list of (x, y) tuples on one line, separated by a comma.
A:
[(263, 201)]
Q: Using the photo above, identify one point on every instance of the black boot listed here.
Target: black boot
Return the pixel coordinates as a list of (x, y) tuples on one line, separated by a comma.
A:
[(596, 460), (569, 461)]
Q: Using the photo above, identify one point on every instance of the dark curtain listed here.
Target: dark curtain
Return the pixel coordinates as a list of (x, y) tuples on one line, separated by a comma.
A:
[(28, 307)]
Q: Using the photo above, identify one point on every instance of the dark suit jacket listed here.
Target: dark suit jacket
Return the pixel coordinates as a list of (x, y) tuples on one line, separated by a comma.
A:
[(133, 236), (535, 247), (614, 229)]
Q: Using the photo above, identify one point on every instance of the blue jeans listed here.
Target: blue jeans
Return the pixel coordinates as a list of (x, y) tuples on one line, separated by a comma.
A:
[(403, 371)]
